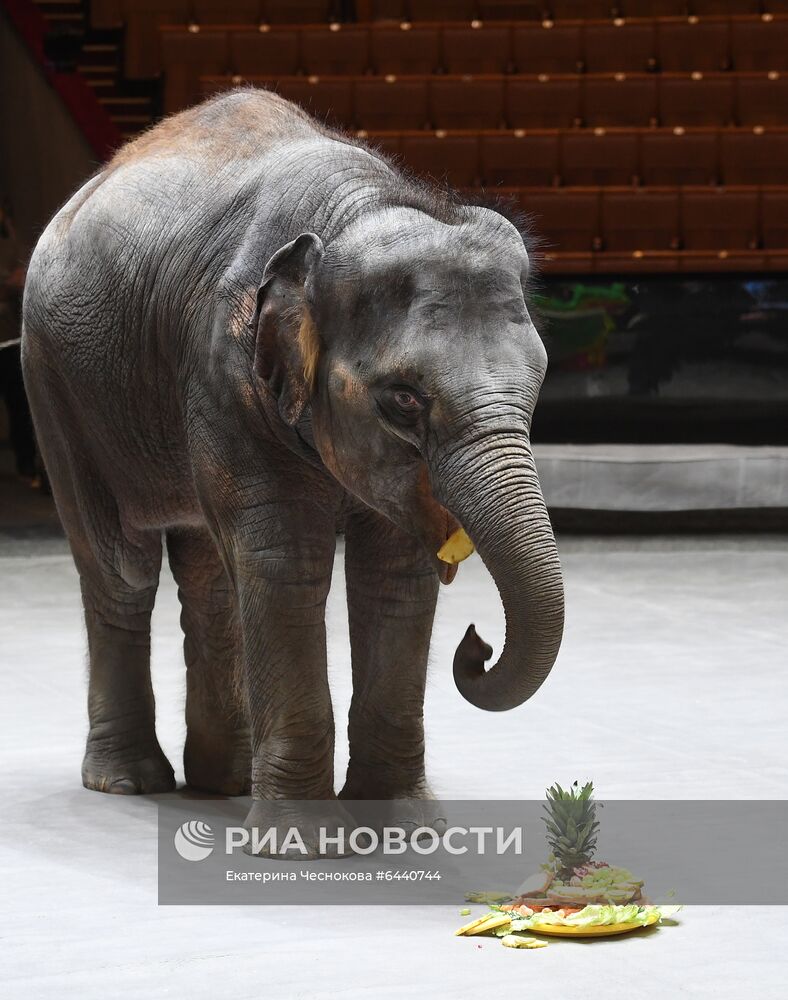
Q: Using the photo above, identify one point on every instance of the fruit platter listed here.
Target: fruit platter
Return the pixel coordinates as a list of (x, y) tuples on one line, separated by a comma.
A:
[(572, 895)]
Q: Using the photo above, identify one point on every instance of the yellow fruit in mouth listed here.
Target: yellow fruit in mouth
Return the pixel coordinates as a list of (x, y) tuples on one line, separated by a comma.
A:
[(457, 547)]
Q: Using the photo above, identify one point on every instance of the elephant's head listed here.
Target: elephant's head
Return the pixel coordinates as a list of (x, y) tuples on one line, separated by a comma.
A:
[(410, 342)]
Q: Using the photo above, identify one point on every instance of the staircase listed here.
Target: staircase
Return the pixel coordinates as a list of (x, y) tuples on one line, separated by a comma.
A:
[(98, 58)]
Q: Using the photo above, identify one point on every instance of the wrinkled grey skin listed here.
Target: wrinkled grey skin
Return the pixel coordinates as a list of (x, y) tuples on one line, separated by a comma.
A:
[(172, 398)]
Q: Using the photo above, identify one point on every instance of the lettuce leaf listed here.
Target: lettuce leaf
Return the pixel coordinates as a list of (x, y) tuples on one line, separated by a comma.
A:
[(602, 915)]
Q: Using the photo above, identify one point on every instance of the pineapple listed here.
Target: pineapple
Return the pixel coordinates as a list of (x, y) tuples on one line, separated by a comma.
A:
[(571, 827)]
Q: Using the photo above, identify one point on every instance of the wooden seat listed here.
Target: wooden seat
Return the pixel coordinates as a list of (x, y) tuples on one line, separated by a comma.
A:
[(589, 10), (380, 10), (759, 43), (442, 10), (142, 41), (704, 8), (640, 219), (390, 143), (620, 99), (762, 98), (444, 157), (298, 11), (477, 48), (268, 53), (405, 48), (511, 10), (679, 156), (652, 8), (186, 55), (720, 218), (688, 44), (335, 49), (620, 46), (565, 220), (227, 11), (466, 102), (548, 48), (520, 159), (328, 98), (696, 99), (392, 103), (600, 157), (754, 156), (543, 102), (774, 213)]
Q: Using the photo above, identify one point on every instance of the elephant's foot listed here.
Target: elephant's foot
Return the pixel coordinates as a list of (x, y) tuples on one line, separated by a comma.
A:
[(373, 781), (310, 829), (400, 801), (127, 769), (219, 763)]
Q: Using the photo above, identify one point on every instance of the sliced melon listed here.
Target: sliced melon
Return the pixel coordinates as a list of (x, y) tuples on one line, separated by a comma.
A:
[(516, 941), (457, 547)]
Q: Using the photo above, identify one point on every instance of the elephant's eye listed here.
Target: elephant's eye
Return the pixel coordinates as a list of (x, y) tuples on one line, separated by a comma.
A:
[(401, 404), (407, 401)]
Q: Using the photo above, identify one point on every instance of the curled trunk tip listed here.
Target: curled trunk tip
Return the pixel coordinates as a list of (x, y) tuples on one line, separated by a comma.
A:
[(472, 653), (499, 503)]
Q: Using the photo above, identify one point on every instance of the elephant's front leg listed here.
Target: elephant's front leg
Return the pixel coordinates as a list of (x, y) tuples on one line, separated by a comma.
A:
[(282, 586), (392, 590)]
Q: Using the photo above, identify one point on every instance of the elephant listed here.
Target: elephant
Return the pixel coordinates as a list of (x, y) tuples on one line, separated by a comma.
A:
[(247, 333)]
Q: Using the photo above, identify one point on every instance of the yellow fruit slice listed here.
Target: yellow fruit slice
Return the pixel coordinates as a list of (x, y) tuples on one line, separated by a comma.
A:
[(515, 941), (456, 548), (471, 926), (484, 924)]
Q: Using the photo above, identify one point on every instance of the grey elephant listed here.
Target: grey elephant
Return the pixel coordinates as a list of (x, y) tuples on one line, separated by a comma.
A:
[(244, 333)]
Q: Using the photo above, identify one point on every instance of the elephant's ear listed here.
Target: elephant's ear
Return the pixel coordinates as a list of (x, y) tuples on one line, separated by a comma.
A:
[(287, 344)]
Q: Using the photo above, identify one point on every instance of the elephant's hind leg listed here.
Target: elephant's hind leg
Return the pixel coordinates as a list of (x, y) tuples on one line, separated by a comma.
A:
[(119, 571), (118, 578), (122, 754), (217, 755)]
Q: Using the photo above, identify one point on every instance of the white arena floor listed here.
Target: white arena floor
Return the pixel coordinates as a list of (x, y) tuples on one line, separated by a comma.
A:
[(672, 683)]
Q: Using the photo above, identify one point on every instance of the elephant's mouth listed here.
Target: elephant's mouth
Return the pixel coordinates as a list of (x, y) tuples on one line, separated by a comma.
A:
[(446, 571), (439, 526)]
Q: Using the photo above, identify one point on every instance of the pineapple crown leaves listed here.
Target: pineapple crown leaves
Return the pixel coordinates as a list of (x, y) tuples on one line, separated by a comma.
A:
[(571, 822)]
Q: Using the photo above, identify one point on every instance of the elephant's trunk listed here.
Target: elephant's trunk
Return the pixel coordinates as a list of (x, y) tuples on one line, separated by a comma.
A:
[(491, 486)]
